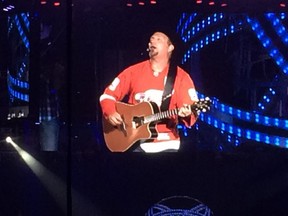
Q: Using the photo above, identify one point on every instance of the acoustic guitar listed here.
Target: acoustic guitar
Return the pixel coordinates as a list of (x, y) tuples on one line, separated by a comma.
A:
[(139, 123)]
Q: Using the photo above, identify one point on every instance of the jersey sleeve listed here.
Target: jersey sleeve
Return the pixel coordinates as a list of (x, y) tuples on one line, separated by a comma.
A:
[(186, 95), (115, 91)]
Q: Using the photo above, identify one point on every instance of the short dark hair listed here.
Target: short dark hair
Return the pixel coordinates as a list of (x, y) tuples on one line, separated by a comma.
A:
[(179, 46)]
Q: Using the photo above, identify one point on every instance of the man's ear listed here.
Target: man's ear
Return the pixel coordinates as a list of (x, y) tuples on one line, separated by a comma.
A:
[(170, 48)]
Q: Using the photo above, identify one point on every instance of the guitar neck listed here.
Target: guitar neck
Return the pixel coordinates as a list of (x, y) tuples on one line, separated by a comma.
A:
[(162, 115), (200, 106)]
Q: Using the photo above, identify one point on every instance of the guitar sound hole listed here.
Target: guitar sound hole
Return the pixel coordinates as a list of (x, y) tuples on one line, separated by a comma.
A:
[(138, 121)]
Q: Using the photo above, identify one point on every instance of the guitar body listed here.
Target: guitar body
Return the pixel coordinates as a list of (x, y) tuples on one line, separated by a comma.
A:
[(139, 123), (120, 139)]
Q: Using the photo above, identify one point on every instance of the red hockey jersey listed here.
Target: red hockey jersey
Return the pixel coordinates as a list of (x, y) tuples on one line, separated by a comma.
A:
[(141, 84)]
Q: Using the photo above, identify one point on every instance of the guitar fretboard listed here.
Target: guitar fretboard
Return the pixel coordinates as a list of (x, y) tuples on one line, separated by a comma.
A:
[(160, 115), (202, 105)]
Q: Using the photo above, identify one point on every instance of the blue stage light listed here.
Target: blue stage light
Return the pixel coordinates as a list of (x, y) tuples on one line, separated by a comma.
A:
[(189, 35), (246, 133), (21, 32)]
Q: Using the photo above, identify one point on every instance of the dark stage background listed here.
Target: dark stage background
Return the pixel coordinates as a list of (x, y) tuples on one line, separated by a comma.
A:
[(230, 174)]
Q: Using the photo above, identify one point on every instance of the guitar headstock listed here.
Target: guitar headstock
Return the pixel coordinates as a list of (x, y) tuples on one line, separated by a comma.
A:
[(203, 105)]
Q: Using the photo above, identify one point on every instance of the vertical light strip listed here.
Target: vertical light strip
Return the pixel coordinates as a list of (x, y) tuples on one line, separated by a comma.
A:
[(21, 33)]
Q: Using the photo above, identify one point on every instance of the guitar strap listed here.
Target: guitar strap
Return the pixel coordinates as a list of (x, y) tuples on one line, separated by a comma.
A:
[(169, 86)]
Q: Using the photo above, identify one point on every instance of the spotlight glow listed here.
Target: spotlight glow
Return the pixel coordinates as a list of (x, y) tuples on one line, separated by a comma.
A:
[(9, 140), (53, 183)]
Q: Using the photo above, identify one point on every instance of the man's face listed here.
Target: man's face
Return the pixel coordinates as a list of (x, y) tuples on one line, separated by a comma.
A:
[(159, 45)]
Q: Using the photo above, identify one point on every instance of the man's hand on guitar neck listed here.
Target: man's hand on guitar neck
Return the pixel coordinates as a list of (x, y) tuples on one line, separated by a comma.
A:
[(115, 119), (185, 111)]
